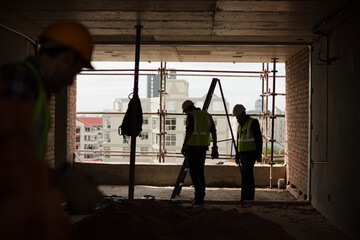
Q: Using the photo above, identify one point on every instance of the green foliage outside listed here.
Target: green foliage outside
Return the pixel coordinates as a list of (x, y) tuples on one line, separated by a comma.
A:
[(277, 151)]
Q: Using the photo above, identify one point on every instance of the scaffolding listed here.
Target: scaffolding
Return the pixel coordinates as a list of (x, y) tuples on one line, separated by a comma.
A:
[(265, 115)]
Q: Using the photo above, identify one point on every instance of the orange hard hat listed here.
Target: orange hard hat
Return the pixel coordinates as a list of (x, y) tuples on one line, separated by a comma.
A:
[(186, 104), (74, 35)]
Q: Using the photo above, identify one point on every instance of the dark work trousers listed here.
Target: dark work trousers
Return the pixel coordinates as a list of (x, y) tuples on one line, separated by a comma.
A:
[(196, 159), (247, 160)]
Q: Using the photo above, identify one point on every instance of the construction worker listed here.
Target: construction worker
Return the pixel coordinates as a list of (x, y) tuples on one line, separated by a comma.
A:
[(25, 88), (199, 125), (249, 149)]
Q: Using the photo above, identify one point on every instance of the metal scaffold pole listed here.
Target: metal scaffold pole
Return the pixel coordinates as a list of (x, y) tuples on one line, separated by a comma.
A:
[(135, 95), (267, 112), (274, 71), (162, 111), (262, 103)]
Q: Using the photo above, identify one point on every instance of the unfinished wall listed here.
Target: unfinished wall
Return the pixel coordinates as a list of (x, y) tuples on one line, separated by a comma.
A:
[(65, 124), (296, 120), (335, 137), (166, 174), (50, 151), (14, 48)]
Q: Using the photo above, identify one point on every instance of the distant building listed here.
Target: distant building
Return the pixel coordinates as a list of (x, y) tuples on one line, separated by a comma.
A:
[(89, 136), (177, 92), (153, 86)]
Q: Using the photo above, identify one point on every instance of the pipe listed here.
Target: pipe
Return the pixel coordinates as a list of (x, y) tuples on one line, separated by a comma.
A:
[(32, 41)]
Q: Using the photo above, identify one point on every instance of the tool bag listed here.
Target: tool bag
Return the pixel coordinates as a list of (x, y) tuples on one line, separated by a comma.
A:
[(132, 122)]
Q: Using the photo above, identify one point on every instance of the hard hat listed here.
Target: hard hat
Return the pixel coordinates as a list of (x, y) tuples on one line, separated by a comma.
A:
[(238, 109), (74, 35), (186, 104)]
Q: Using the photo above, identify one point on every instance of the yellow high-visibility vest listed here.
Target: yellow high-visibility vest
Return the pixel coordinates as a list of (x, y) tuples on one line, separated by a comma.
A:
[(202, 124), (246, 140), (41, 117)]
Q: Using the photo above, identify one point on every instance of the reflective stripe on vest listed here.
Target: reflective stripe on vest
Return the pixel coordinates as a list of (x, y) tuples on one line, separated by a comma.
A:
[(41, 120), (246, 140), (202, 124)]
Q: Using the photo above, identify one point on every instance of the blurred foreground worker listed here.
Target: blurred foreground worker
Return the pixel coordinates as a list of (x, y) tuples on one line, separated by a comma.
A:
[(199, 125), (25, 88), (249, 149)]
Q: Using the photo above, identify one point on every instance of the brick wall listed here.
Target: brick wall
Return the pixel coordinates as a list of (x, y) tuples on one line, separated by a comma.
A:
[(49, 155), (297, 102), (71, 125), (71, 128)]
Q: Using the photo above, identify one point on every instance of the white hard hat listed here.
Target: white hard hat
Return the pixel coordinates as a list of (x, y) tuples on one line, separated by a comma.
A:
[(238, 109)]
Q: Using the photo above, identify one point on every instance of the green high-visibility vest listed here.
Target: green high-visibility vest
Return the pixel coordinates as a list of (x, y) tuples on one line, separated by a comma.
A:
[(202, 124), (246, 140), (41, 116)]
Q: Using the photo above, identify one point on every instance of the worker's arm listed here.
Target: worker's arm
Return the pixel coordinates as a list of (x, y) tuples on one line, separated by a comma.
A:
[(214, 150), (189, 130)]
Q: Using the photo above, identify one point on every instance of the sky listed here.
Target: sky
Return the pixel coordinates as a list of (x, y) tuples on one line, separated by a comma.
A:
[(97, 93)]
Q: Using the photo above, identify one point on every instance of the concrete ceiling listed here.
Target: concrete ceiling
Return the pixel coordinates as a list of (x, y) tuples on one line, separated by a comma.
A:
[(186, 30)]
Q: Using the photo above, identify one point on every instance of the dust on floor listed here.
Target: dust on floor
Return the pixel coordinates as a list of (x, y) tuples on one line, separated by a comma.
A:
[(219, 218)]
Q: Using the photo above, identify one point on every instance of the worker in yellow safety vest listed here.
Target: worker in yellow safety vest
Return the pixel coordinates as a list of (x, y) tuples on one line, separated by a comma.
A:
[(199, 126), (249, 149), (25, 89)]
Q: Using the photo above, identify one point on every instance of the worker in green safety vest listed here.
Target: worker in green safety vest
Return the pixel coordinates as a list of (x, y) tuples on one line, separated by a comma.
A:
[(25, 89), (249, 149), (199, 126)]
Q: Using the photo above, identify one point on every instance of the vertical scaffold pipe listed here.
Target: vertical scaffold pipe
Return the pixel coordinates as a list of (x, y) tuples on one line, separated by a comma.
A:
[(262, 103), (267, 91), (135, 95), (274, 71), (164, 110), (161, 113)]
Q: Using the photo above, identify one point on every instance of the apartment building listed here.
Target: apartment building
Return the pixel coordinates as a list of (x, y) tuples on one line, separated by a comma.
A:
[(149, 141), (89, 136)]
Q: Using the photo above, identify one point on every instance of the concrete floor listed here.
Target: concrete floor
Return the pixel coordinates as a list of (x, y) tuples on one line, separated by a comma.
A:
[(187, 193), (298, 218)]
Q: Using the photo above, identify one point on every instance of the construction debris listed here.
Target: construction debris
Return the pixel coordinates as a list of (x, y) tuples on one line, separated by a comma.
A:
[(150, 219)]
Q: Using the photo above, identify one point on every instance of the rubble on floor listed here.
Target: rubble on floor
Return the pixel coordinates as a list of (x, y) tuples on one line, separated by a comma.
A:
[(151, 219)]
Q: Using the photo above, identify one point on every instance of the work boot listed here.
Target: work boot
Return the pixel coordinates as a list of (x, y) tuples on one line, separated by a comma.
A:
[(197, 202)]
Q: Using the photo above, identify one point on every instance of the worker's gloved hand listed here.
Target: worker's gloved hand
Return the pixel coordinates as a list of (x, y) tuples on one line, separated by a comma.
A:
[(80, 192), (237, 157), (214, 152), (183, 150)]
